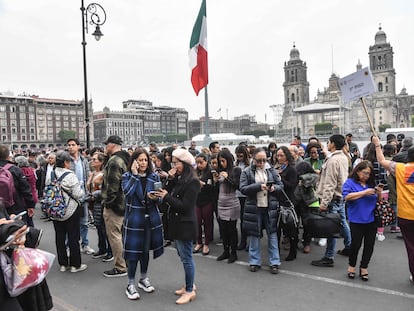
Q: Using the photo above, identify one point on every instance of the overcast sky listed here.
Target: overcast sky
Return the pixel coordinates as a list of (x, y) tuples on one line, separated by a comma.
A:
[(144, 51)]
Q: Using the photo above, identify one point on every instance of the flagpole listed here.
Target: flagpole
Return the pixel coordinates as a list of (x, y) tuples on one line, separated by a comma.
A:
[(369, 118), (207, 138)]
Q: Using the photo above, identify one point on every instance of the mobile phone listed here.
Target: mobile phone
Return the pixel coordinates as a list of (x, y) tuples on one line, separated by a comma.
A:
[(381, 185), (157, 185), (269, 184), (213, 172), (18, 215)]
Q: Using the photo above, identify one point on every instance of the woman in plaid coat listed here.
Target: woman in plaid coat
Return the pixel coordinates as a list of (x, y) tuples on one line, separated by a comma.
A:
[(142, 229)]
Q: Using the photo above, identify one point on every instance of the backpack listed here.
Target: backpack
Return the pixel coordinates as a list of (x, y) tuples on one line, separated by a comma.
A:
[(7, 189), (53, 202)]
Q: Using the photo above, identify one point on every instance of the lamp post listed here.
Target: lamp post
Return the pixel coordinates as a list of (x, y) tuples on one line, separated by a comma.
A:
[(97, 17)]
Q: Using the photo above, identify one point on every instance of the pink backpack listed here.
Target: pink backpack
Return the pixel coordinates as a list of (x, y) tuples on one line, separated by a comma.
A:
[(7, 189)]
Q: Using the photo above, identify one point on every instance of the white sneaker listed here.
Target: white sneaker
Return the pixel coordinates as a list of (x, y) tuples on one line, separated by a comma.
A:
[(81, 268), (146, 285), (63, 269), (132, 292), (380, 237), (322, 242), (87, 250)]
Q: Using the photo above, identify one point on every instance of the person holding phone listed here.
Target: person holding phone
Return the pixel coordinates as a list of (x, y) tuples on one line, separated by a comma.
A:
[(142, 228), (205, 205), (180, 194), (260, 183), (228, 204), (360, 193)]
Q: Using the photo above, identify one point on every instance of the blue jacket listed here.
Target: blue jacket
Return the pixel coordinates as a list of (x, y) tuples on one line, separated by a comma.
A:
[(136, 225), (250, 188)]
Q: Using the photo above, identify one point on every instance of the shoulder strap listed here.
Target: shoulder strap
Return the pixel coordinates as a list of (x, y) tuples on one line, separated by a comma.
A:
[(7, 166), (62, 176)]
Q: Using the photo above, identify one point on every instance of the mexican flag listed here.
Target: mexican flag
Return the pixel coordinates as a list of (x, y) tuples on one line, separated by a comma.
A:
[(198, 51)]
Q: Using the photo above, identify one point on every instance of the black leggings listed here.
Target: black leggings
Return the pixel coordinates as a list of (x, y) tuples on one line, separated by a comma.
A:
[(230, 237), (361, 232)]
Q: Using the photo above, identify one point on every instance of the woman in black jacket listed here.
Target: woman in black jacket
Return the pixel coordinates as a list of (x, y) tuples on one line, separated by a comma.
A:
[(289, 178), (180, 196), (205, 204)]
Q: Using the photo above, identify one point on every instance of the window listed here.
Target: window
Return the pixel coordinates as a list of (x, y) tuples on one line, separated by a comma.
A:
[(380, 87), (293, 97), (386, 79)]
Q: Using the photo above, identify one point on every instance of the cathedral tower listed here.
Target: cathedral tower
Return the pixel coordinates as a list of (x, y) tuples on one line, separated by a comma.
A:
[(296, 88), (381, 63)]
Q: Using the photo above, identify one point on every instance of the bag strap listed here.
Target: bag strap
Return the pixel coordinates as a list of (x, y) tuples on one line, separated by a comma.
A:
[(63, 189), (287, 198), (7, 166)]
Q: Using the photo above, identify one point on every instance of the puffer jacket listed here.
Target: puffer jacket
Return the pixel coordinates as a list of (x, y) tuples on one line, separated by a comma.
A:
[(70, 184), (250, 188)]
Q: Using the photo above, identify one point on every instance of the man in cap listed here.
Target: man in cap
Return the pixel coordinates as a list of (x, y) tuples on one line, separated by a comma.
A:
[(113, 201)]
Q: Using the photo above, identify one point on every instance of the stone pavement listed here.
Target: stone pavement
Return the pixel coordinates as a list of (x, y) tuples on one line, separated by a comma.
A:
[(222, 286)]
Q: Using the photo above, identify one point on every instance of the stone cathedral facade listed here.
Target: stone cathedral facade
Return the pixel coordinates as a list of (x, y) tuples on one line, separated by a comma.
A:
[(386, 106)]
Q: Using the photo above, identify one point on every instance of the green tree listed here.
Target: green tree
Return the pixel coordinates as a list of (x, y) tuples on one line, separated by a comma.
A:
[(179, 138), (324, 128), (64, 135), (382, 127)]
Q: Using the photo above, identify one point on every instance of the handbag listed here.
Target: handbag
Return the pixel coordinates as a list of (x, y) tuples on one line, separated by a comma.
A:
[(322, 224), (384, 214), (25, 268), (287, 218)]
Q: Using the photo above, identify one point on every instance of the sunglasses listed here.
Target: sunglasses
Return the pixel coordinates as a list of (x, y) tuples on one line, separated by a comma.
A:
[(260, 160)]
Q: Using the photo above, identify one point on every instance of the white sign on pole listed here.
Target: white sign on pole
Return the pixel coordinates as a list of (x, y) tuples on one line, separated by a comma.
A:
[(357, 85)]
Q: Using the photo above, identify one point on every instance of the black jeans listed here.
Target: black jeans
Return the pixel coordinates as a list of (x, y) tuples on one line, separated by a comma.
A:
[(359, 232), (71, 229)]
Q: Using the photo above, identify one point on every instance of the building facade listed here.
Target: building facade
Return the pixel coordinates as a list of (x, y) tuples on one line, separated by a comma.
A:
[(239, 125), (385, 107), (33, 122), (138, 121)]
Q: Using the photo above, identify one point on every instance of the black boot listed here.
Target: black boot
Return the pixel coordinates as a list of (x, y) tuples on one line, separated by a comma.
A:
[(225, 254), (233, 256), (293, 249)]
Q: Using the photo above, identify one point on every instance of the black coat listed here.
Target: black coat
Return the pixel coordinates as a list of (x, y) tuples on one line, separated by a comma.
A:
[(250, 188), (181, 202)]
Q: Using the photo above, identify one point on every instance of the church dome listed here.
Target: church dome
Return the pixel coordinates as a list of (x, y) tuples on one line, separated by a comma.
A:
[(294, 53), (380, 37)]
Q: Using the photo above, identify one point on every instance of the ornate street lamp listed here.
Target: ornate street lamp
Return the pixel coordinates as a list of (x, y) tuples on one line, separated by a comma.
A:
[(97, 17)]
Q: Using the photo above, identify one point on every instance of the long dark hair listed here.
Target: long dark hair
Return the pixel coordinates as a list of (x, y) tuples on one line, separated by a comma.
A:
[(246, 156), (226, 154), (188, 172), (361, 166), (135, 156), (287, 153)]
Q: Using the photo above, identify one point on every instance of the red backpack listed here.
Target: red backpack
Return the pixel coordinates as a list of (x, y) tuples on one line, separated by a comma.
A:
[(7, 189)]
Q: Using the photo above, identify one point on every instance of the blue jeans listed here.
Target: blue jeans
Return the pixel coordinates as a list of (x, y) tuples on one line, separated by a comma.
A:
[(338, 207), (84, 225), (272, 243), (185, 251)]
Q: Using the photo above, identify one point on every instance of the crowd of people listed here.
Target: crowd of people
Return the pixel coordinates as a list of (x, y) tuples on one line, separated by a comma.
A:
[(143, 200)]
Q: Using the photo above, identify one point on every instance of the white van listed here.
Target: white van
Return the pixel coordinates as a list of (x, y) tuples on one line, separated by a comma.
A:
[(407, 131)]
